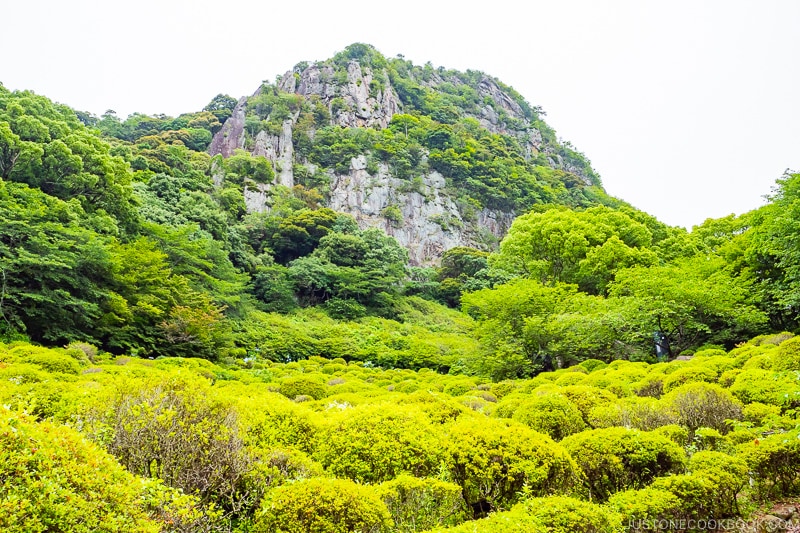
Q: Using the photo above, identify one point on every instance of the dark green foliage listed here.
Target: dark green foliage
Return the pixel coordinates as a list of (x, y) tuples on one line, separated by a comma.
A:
[(221, 106), (54, 265)]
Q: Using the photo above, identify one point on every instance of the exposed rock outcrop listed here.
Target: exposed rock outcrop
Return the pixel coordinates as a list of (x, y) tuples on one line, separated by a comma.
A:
[(422, 216), (423, 219)]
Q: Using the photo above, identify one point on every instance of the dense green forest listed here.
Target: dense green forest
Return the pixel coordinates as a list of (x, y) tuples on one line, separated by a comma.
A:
[(173, 361)]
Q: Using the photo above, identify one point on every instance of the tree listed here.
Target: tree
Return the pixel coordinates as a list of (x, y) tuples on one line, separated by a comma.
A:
[(772, 253), (690, 302), (54, 270)]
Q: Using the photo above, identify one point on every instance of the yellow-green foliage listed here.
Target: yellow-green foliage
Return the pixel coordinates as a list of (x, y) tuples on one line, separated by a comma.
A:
[(614, 459), (560, 514), (702, 494), (322, 506), (764, 386), (242, 433), (729, 475), (787, 355), (177, 432), (303, 386), (639, 413), (704, 405), (51, 479), (417, 504), (586, 398), (773, 462), (552, 414), (645, 506), (45, 358), (378, 442), (493, 460), (514, 521), (689, 374)]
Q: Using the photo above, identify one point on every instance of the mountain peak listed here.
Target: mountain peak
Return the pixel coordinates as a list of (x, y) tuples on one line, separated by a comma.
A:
[(457, 154)]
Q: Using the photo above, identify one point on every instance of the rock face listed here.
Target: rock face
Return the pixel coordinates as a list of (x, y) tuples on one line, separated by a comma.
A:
[(359, 108), (231, 135), (419, 214), (424, 219)]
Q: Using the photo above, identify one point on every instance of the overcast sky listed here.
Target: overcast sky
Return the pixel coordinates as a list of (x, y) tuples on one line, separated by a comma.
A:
[(687, 109)]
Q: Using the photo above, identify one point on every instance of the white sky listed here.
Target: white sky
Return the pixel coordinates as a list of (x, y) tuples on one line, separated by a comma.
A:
[(687, 109)]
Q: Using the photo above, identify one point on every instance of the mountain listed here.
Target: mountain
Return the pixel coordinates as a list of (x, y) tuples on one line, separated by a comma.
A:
[(436, 158)]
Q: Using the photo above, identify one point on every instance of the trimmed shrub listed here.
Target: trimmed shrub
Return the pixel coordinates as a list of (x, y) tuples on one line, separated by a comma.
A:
[(514, 521), (176, 432), (506, 407), (730, 474), (459, 388), (280, 423), (773, 464), (586, 398), (757, 413), (493, 460), (51, 479), (560, 514), (639, 413), (322, 506), (503, 388), (704, 405), (419, 504), (302, 386), (592, 364), (703, 495), (615, 459), (552, 414), (46, 359), (677, 434), (764, 386), (376, 443), (690, 374), (645, 506), (787, 356)]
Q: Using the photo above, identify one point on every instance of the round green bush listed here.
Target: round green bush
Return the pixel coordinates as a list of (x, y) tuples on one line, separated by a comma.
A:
[(459, 388), (514, 521), (46, 359), (51, 479), (689, 374), (586, 398), (561, 514), (503, 388), (677, 434), (787, 356), (757, 413), (375, 443), (773, 462), (570, 378), (506, 407), (703, 495), (418, 504), (729, 474), (764, 386), (645, 506), (301, 386), (704, 405), (494, 459), (322, 506), (614, 459), (552, 414), (592, 364)]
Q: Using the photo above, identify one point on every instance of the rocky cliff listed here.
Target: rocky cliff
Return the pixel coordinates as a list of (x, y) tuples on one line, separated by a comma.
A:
[(423, 214)]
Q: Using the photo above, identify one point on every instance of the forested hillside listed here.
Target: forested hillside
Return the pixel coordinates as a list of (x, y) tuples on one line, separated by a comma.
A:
[(385, 294)]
